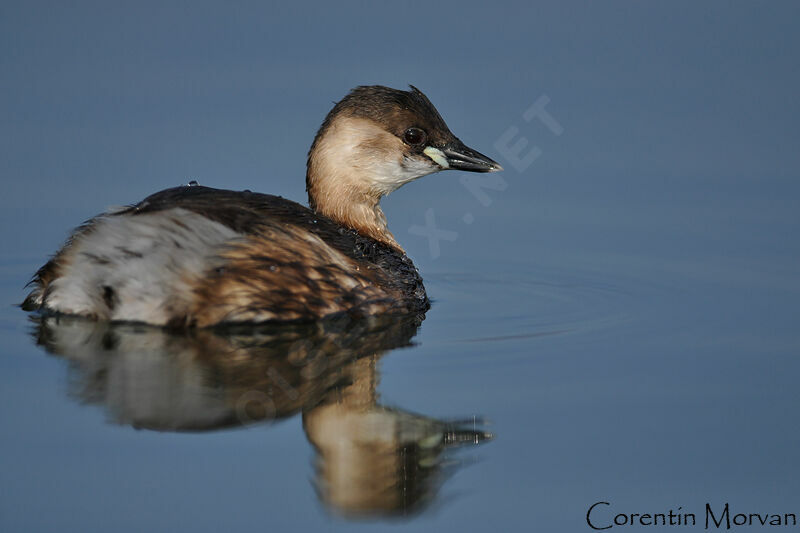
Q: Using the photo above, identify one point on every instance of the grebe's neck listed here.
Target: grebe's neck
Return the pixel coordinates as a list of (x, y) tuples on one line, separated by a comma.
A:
[(351, 165), (363, 214)]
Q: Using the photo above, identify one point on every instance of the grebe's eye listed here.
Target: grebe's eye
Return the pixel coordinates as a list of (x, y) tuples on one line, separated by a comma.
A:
[(414, 136)]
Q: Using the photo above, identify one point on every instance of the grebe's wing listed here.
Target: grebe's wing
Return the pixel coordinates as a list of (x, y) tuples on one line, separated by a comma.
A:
[(241, 211), (199, 256)]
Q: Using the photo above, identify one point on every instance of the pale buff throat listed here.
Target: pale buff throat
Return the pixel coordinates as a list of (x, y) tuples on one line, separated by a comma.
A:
[(354, 164)]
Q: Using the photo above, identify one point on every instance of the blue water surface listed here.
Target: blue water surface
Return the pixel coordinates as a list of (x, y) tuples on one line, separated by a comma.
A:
[(620, 305)]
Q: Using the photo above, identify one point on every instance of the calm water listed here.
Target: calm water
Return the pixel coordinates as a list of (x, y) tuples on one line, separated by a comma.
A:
[(620, 313)]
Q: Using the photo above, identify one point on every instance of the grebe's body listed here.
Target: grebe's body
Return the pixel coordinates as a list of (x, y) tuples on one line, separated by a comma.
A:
[(196, 256), (200, 256)]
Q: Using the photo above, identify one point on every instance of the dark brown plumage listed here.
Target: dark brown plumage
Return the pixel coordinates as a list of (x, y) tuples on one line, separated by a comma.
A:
[(274, 268)]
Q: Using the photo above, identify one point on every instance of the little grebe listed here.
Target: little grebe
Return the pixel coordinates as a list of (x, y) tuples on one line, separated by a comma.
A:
[(195, 256)]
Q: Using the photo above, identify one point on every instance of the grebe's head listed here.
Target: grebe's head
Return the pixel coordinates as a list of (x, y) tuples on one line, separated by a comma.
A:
[(373, 141)]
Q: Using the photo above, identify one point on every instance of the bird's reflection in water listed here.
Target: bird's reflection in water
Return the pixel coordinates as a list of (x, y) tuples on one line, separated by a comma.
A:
[(370, 460)]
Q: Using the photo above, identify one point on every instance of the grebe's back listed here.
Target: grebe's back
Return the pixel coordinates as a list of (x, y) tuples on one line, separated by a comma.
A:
[(201, 256), (196, 256)]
